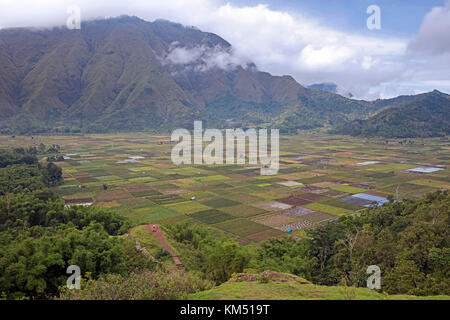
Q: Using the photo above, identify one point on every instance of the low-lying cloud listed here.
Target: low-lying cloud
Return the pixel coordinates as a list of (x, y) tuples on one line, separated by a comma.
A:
[(203, 58)]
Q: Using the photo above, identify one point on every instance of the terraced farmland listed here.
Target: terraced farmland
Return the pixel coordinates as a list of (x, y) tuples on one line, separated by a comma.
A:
[(321, 177)]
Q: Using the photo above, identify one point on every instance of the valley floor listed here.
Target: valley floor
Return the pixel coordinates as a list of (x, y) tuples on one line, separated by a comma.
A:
[(321, 177)]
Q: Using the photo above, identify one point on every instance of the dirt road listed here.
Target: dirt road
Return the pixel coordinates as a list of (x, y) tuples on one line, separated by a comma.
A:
[(156, 231)]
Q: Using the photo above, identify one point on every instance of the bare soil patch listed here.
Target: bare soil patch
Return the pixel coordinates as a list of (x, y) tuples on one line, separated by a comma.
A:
[(294, 201), (138, 188), (297, 212), (111, 195), (312, 197), (78, 201), (274, 220), (261, 236), (173, 191), (272, 205)]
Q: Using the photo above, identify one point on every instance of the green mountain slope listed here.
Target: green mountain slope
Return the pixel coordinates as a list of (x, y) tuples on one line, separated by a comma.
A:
[(425, 115), (128, 74)]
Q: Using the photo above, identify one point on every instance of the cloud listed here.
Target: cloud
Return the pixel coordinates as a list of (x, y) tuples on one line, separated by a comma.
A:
[(203, 58), (368, 62), (326, 56), (183, 56), (433, 36), (428, 56), (279, 42)]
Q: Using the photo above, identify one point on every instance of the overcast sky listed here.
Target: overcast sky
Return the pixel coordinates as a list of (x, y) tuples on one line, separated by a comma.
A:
[(312, 40)]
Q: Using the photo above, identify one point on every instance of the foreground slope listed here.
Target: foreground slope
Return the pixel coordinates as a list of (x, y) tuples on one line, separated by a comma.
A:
[(278, 286)]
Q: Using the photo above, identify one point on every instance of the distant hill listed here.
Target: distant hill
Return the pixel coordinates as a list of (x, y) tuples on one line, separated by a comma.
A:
[(424, 115), (278, 286)]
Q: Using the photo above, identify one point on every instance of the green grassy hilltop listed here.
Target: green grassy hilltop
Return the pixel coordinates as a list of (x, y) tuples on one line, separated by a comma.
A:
[(280, 286)]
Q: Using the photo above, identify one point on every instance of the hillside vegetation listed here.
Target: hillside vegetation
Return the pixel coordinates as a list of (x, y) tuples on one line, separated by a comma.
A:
[(428, 115)]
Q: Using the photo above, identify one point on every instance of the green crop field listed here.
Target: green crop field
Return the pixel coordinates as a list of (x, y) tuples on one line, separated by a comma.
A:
[(316, 171)]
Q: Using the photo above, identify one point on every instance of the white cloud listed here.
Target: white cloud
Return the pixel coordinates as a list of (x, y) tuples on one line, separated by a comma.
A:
[(325, 56), (183, 55), (278, 42), (433, 36), (202, 58), (428, 55), (367, 62)]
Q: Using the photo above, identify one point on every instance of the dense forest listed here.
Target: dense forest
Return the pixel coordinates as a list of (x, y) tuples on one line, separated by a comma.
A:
[(40, 237), (20, 172)]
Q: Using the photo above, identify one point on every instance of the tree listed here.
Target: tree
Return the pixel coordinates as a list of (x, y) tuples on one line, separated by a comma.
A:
[(33, 262), (225, 258)]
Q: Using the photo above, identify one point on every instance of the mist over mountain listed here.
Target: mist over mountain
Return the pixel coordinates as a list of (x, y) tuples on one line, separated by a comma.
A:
[(127, 74), (331, 87)]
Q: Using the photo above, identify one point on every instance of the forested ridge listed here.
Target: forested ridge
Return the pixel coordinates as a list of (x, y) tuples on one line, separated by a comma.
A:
[(427, 115)]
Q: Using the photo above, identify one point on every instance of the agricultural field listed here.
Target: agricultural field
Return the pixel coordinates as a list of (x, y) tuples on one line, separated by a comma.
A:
[(321, 178)]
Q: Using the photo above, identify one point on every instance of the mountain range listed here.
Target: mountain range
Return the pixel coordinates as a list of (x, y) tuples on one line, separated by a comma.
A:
[(127, 74), (424, 115)]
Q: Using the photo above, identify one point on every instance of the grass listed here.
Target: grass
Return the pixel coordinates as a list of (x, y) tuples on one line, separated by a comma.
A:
[(295, 288), (348, 189), (219, 203), (155, 213), (341, 204), (146, 239), (146, 193), (198, 195), (135, 203), (327, 209), (212, 178), (241, 227), (431, 183), (211, 216), (243, 210), (166, 199), (187, 207)]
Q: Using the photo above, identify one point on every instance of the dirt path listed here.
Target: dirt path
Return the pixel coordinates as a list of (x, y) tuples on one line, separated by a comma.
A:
[(156, 231)]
